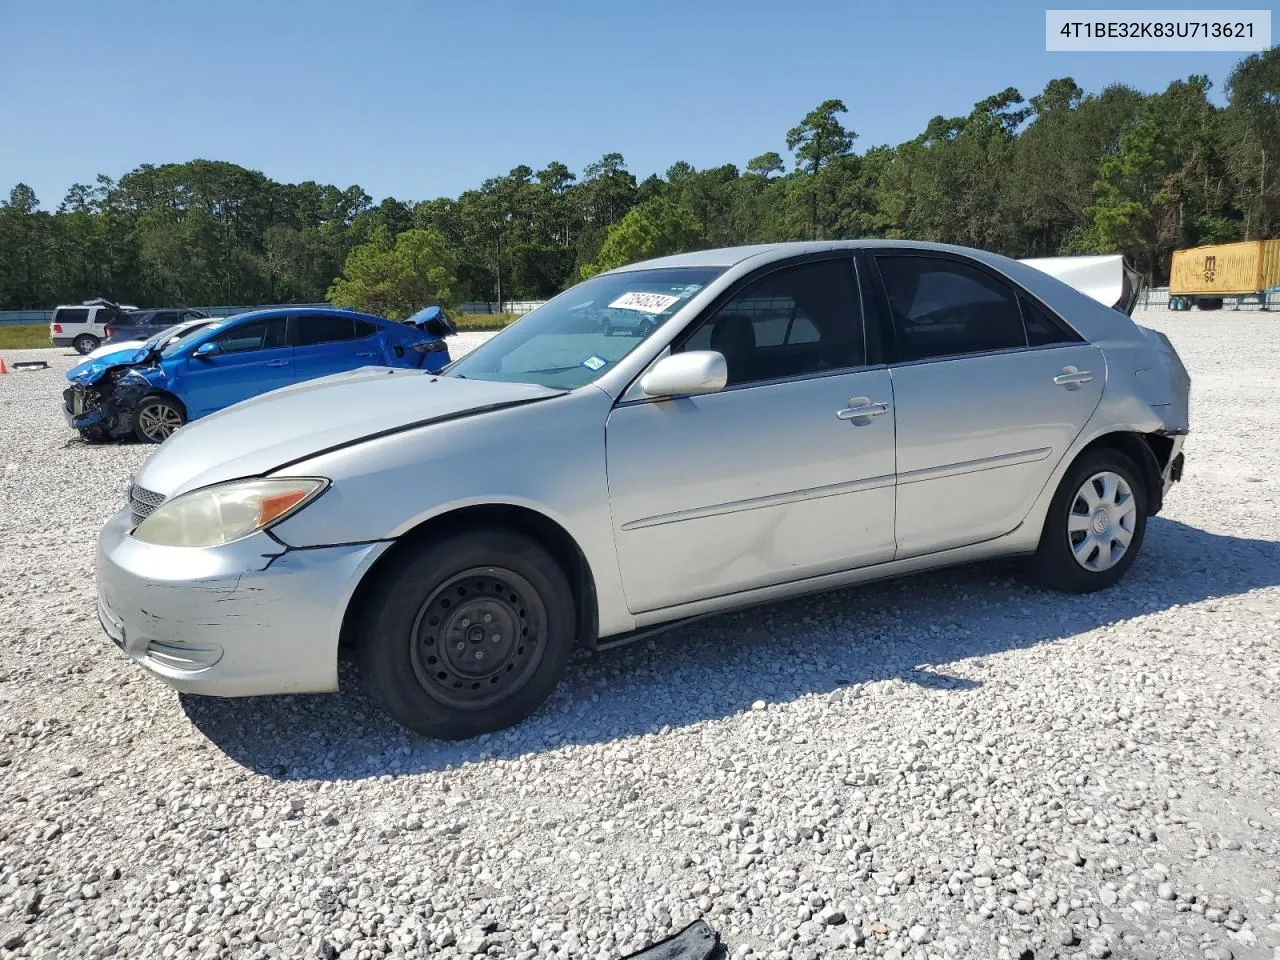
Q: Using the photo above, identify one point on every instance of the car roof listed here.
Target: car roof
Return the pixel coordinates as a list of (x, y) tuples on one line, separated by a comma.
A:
[(303, 312), (1093, 320), (765, 252)]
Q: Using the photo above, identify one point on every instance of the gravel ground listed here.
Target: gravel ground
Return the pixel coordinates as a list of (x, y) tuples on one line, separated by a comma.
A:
[(952, 765)]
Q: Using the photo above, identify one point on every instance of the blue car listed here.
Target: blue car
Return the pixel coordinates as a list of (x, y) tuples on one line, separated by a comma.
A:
[(189, 373)]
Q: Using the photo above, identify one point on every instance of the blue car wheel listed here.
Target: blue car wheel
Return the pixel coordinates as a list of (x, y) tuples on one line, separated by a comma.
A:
[(155, 418)]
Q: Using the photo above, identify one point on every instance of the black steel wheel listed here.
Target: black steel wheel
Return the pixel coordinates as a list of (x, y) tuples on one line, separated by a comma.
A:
[(478, 638), (465, 634)]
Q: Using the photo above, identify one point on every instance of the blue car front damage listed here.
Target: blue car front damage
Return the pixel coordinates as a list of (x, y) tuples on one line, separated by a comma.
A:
[(103, 392)]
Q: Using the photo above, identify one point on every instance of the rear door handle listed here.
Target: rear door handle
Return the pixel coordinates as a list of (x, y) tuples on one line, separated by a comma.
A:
[(369, 354), (277, 363), (861, 411), (1072, 378)]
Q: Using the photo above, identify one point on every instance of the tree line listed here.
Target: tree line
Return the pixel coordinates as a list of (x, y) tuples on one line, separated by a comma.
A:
[(1063, 172)]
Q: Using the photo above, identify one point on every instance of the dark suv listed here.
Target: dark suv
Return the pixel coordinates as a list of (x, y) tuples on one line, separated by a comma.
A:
[(144, 324)]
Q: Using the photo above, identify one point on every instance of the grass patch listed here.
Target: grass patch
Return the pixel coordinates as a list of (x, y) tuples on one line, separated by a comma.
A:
[(481, 321), (23, 336)]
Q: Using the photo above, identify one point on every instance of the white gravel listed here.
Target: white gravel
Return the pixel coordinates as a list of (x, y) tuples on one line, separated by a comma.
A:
[(953, 765)]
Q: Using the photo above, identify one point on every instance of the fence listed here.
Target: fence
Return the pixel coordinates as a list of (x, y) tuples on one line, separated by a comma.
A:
[(45, 316), (1157, 298), (517, 307)]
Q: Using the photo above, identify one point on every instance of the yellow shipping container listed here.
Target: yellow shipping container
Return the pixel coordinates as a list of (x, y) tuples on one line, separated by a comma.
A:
[(1225, 269)]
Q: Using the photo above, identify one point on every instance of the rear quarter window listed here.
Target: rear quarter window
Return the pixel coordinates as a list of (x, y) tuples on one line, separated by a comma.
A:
[(73, 315)]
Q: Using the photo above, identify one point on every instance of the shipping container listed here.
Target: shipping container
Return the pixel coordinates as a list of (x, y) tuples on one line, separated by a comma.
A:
[(1202, 276)]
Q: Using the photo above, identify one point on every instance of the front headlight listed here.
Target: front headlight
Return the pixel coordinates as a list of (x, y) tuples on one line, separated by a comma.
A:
[(227, 512)]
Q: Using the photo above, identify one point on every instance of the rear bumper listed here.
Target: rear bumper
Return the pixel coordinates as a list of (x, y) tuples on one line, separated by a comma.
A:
[(62, 340), (1172, 472)]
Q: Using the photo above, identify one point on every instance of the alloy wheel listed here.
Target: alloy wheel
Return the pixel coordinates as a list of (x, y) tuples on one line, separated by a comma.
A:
[(158, 421)]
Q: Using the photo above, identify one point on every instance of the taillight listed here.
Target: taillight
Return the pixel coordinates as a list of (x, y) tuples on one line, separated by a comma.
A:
[(111, 331), (57, 328), (431, 346)]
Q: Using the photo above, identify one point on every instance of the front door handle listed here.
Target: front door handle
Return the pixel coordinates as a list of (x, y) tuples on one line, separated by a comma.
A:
[(277, 363), (861, 410), (1072, 378)]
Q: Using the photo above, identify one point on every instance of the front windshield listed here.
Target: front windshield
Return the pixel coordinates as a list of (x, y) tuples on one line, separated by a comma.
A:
[(180, 337), (575, 338)]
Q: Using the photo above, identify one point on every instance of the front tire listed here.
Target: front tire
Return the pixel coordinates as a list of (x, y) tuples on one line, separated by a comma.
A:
[(85, 343), (1095, 525), (468, 635), (155, 418)]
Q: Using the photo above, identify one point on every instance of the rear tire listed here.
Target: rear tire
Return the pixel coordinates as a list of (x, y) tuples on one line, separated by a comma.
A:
[(155, 418), (1095, 525), (468, 635), (86, 343)]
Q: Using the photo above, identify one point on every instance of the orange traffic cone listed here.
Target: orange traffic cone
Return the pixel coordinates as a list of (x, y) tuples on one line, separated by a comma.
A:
[(3, 368)]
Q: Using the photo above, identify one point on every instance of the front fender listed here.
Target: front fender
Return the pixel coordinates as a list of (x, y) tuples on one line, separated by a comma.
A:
[(550, 461)]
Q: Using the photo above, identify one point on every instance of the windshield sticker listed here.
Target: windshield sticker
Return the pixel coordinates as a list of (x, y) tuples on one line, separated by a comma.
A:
[(594, 362), (643, 302)]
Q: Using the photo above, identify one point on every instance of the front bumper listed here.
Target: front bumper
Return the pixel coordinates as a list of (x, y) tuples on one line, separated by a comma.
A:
[(77, 411), (245, 619)]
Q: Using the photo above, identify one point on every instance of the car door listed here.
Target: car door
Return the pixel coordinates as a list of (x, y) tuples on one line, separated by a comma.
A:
[(252, 358), (990, 390), (331, 343), (774, 478)]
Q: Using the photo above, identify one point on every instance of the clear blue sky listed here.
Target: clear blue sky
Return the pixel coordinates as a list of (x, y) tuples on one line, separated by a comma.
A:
[(419, 98)]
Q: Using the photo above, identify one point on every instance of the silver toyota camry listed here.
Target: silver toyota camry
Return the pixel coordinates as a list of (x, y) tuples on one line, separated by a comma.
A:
[(785, 419)]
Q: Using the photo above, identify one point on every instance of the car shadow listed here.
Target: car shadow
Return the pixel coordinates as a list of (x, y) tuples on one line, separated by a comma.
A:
[(909, 630)]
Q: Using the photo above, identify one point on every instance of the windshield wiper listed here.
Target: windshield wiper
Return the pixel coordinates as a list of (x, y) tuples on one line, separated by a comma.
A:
[(555, 369)]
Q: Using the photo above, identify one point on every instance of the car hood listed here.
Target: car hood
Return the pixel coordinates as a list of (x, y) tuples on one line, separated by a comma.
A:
[(91, 371), (295, 423), (110, 349)]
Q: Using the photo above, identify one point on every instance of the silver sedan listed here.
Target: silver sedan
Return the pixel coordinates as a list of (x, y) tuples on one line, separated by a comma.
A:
[(795, 418)]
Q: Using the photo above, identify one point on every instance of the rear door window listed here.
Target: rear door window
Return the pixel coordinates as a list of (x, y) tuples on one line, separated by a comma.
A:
[(1044, 329), (945, 308), (327, 328)]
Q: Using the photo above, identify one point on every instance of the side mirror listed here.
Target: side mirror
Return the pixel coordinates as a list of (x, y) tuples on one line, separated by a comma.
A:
[(682, 374), (206, 350)]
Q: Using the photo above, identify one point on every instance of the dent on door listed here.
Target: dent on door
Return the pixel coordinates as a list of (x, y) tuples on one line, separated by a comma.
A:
[(730, 491), (978, 437)]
